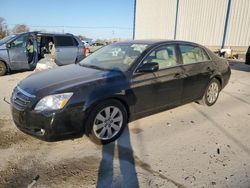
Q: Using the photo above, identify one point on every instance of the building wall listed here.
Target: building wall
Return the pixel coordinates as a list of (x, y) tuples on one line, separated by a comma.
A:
[(238, 33), (201, 21), (155, 19)]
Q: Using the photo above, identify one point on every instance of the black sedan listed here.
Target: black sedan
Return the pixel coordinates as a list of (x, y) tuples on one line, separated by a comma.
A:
[(248, 56), (117, 84)]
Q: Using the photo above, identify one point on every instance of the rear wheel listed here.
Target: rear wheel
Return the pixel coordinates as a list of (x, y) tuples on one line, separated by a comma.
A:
[(212, 93), (3, 68), (106, 122)]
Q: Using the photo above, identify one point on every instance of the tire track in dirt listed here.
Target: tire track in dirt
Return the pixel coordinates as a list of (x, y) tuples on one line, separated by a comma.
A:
[(30, 160), (75, 172), (10, 136)]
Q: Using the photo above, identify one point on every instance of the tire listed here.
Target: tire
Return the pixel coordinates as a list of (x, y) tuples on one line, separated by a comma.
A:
[(3, 68), (103, 128), (212, 93)]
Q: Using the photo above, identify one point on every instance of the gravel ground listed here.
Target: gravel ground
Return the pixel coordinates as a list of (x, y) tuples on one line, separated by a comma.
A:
[(189, 146)]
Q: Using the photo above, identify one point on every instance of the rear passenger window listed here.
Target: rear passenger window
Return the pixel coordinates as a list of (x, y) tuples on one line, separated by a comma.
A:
[(165, 56), (193, 54), (64, 41), (75, 42)]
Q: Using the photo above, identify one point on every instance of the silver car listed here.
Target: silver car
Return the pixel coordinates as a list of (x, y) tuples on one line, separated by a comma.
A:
[(23, 51)]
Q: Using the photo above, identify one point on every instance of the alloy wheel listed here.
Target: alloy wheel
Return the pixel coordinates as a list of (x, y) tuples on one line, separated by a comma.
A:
[(108, 122), (212, 92)]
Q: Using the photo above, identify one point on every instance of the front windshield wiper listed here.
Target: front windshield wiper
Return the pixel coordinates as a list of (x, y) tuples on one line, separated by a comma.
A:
[(93, 66)]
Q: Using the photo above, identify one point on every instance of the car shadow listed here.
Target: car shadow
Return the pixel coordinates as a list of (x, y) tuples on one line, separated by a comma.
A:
[(19, 71), (120, 151), (239, 65)]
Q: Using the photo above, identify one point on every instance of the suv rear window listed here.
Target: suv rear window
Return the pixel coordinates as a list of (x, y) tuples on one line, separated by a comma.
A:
[(64, 41)]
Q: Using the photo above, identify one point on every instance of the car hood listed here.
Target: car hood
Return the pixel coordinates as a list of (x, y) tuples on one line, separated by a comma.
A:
[(62, 78)]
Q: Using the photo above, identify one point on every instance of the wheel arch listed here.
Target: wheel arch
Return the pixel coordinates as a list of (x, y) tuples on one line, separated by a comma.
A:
[(217, 76), (124, 103), (92, 105)]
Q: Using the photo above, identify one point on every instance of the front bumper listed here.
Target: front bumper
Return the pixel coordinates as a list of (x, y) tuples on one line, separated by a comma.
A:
[(50, 126)]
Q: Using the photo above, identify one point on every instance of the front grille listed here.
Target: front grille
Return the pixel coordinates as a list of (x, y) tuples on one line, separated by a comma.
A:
[(20, 98)]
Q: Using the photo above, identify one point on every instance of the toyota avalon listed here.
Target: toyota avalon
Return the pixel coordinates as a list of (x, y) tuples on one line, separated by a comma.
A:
[(118, 83)]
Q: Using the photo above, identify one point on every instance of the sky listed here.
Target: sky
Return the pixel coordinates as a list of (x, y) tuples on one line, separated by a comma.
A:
[(97, 19)]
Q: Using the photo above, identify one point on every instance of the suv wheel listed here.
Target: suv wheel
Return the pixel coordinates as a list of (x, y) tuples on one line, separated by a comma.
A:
[(106, 122), (3, 68), (212, 93)]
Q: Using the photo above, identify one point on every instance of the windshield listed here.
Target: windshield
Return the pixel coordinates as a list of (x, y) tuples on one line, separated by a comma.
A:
[(6, 39), (114, 57)]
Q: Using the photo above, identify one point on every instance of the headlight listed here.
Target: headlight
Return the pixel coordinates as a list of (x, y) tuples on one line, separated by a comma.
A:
[(53, 102)]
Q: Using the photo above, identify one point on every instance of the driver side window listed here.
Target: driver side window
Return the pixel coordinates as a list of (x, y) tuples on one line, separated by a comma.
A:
[(20, 41), (165, 56)]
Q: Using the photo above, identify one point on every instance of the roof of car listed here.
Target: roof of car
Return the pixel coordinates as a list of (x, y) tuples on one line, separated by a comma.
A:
[(155, 41), (44, 33), (52, 33)]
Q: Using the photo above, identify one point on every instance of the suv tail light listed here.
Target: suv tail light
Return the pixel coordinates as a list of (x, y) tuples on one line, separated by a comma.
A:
[(84, 51)]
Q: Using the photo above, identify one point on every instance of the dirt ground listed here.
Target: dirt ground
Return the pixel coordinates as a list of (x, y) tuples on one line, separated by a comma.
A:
[(189, 146)]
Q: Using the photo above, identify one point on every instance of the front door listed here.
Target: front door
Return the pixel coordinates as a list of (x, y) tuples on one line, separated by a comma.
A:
[(163, 88), (170, 87), (170, 76), (18, 53), (144, 86)]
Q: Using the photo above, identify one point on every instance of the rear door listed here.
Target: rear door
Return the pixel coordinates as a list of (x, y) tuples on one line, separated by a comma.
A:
[(18, 52), (198, 69), (66, 49)]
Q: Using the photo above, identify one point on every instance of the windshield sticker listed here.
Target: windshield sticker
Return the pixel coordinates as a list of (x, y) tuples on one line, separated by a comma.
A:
[(139, 47)]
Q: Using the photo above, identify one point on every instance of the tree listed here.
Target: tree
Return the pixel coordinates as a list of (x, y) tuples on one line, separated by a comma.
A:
[(19, 28), (3, 28)]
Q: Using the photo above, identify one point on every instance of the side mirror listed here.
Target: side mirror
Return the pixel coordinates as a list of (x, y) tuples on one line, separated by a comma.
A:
[(8, 45), (148, 67)]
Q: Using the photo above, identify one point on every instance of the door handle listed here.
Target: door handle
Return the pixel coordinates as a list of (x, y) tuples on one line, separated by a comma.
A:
[(178, 75), (210, 69)]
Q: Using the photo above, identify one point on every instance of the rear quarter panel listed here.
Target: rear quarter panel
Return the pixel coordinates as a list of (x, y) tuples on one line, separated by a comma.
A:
[(222, 71)]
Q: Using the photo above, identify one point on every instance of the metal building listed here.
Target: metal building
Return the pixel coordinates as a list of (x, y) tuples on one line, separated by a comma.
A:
[(213, 23)]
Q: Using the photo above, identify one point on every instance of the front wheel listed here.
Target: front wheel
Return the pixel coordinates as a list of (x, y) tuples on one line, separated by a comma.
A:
[(106, 122), (3, 68), (212, 93)]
